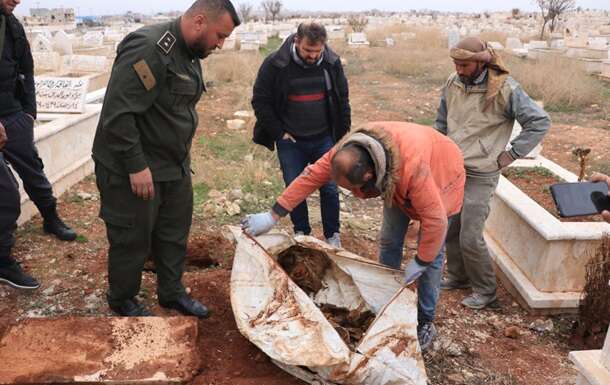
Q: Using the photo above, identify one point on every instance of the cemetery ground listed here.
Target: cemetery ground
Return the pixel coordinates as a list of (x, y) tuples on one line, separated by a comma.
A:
[(506, 346)]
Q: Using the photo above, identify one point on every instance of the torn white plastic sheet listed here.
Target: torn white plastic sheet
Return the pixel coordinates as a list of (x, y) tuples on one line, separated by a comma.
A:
[(285, 323)]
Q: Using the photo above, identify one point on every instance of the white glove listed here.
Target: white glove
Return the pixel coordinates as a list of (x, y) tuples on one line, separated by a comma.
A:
[(256, 224), (413, 271)]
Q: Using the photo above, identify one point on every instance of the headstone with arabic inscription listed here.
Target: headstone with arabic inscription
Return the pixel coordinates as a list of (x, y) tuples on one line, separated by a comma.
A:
[(61, 94)]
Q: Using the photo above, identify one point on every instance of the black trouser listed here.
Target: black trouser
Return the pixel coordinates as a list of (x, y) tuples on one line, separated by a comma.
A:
[(137, 228), (22, 155), (10, 209)]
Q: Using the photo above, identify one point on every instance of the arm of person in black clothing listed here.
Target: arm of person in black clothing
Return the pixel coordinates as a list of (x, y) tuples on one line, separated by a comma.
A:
[(26, 68), (343, 91), (263, 100)]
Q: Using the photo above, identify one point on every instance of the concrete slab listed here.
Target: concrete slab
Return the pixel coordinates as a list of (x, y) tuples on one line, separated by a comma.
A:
[(149, 350), (590, 369)]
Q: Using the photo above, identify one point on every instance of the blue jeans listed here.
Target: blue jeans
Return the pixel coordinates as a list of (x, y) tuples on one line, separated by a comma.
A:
[(294, 157), (393, 230)]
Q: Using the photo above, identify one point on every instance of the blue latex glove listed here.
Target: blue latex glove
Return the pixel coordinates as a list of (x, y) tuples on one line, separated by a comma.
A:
[(413, 271), (256, 224)]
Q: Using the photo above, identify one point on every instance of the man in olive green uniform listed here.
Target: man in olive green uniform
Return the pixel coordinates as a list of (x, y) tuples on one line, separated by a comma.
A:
[(141, 152)]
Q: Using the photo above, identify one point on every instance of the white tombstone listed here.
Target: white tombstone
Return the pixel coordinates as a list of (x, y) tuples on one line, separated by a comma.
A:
[(358, 39), (513, 43), (335, 32), (229, 43), (85, 63), (599, 42), (93, 39), (61, 94), (46, 61), (521, 52), (535, 44), (453, 38), (42, 44), (62, 43), (558, 44), (496, 45)]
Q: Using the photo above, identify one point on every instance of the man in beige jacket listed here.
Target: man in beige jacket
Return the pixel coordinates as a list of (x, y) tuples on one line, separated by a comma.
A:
[(478, 109)]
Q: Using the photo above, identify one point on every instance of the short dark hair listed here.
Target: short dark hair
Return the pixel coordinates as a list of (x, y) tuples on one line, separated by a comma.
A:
[(362, 162), (314, 32), (214, 8)]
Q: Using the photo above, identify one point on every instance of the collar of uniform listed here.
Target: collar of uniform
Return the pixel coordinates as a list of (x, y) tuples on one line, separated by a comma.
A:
[(180, 43)]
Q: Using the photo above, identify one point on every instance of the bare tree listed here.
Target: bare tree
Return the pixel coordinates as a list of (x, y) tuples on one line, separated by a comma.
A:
[(551, 10), (272, 8), (358, 23), (245, 11)]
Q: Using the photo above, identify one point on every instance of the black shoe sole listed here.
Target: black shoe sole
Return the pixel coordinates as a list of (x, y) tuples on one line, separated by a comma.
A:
[(16, 286)]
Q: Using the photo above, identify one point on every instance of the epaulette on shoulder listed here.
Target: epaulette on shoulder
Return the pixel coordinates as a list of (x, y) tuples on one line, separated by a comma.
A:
[(166, 43)]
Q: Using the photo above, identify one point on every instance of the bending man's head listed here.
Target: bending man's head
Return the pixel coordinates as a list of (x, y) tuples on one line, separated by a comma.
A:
[(352, 167), (206, 25)]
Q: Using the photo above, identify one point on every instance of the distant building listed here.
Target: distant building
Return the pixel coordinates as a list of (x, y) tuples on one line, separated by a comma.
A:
[(50, 17)]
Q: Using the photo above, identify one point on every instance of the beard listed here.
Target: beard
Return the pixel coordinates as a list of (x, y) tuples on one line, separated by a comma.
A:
[(200, 49), (467, 80)]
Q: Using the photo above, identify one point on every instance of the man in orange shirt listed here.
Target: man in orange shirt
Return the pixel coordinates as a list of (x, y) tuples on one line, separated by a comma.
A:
[(420, 175)]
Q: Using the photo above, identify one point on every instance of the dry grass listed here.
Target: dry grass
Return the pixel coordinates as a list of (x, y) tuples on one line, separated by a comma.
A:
[(433, 66), (560, 82), (494, 36), (425, 58), (233, 67)]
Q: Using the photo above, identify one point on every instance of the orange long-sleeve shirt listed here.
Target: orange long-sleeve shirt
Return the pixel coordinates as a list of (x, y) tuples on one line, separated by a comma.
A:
[(430, 184)]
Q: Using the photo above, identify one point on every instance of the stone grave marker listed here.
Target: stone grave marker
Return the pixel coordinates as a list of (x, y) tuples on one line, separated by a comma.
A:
[(358, 39), (513, 43), (85, 63), (453, 39), (93, 39), (534, 44), (496, 45), (61, 94), (42, 44), (62, 43), (46, 61)]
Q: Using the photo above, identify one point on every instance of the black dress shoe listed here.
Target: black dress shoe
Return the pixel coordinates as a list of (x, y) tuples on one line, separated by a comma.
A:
[(130, 308), (187, 306), (57, 227)]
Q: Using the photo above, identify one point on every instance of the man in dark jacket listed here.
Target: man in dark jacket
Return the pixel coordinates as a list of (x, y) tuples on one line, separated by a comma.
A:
[(17, 148), (301, 102)]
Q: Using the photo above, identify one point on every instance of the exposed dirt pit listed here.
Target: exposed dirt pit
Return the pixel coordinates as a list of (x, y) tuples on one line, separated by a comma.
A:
[(308, 269), (203, 252)]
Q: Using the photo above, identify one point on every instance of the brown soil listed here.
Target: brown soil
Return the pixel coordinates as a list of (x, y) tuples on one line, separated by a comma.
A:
[(305, 267), (536, 184), (351, 325)]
